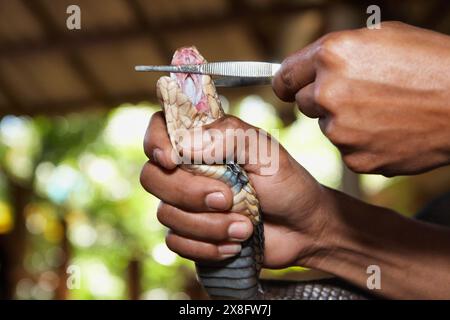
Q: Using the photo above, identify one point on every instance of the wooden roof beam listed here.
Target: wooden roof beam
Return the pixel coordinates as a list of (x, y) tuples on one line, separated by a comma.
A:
[(82, 38), (264, 45), (14, 104), (74, 58), (62, 107), (144, 24)]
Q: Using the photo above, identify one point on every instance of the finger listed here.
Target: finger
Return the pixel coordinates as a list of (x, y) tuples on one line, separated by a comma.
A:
[(231, 139), (296, 71), (199, 250), (306, 102), (185, 190), (157, 145), (209, 227), (325, 124)]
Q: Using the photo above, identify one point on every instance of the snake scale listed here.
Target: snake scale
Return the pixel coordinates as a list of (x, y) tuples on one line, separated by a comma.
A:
[(191, 101)]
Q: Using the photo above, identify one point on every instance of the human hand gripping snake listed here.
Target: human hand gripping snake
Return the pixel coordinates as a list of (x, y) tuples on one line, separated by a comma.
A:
[(191, 101)]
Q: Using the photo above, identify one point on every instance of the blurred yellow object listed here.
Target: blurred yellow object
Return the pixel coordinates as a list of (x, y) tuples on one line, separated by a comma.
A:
[(6, 218), (294, 274), (54, 231), (74, 216)]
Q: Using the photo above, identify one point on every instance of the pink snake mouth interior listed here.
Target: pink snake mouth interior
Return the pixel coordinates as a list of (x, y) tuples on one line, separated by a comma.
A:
[(189, 83)]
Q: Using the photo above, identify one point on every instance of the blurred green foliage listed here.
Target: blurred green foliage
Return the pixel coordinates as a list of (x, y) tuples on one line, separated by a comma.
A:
[(83, 170)]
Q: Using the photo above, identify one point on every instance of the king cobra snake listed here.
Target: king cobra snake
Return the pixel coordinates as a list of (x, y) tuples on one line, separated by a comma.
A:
[(191, 101)]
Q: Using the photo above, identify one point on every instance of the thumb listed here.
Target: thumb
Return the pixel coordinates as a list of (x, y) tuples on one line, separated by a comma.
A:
[(231, 139)]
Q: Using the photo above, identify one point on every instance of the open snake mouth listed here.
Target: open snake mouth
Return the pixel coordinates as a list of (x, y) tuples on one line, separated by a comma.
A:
[(191, 84)]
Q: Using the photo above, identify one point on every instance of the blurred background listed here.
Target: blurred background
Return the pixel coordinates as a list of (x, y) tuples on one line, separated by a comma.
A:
[(74, 220)]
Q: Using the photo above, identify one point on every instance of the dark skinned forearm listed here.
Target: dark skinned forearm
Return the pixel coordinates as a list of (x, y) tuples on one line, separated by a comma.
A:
[(413, 256)]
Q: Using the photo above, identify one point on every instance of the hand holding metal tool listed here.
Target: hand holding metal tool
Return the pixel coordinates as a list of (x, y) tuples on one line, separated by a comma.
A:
[(230, 73)]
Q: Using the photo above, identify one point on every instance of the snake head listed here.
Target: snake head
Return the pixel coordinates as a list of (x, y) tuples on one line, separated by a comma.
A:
[(189, 100), (190, 84)]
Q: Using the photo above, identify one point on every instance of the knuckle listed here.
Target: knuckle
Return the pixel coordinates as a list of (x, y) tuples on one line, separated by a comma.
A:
[(145, 182), (286, 75), (148, 138), (185, 198), (362, 163), (323, 95), (191, 198), (392, 24), (218, 229), (328, 47), (331, 132), (336, 133), (320, 94), (332, 93), (148, 148), (142, 179), (163, 212), (354, 163), (331, 46), (171, 243), (284, 83), (196, 251), (157, 116), (233, 122), (192, 195)]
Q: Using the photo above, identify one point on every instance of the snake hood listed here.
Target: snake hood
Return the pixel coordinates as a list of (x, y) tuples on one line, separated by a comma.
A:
[(189, 100)]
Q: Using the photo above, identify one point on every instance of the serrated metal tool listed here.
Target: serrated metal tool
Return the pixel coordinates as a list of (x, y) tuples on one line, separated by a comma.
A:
[(230, 73)]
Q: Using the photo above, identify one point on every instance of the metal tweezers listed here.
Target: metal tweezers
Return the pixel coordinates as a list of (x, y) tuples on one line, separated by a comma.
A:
[(230, 73)]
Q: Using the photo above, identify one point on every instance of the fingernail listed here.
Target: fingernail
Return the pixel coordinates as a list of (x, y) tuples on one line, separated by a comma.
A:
[(238, 231), (157, 154), (216, 201), (229, 250)]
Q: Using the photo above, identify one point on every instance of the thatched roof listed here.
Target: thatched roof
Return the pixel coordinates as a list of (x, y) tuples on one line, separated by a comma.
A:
[(46, 68)]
